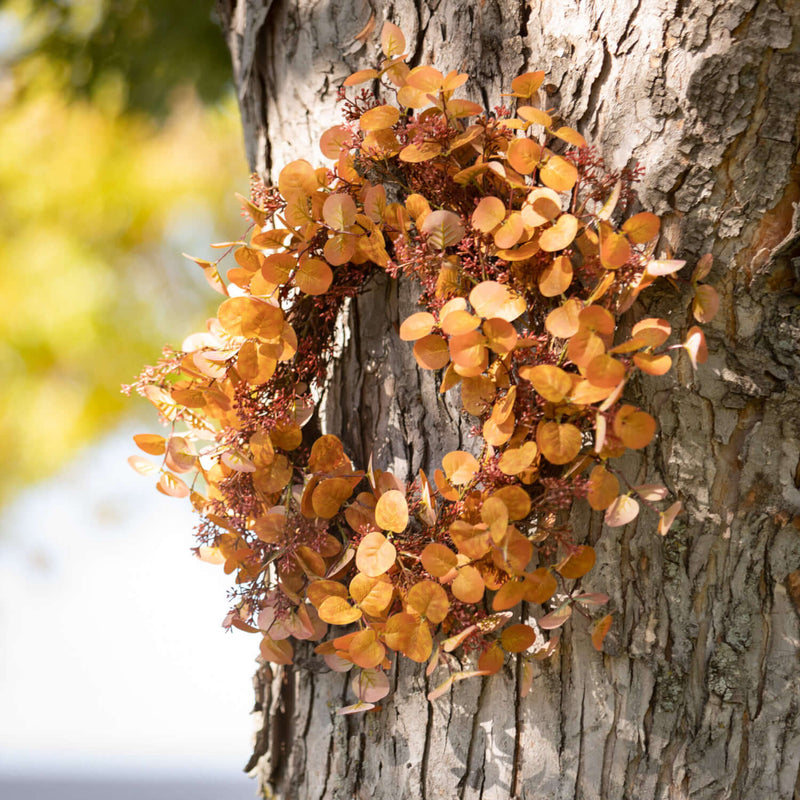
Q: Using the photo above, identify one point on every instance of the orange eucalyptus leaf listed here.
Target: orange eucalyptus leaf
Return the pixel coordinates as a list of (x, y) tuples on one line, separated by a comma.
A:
[(577, 564), (603, 488), (362, 76), (510, 594), (556, 277), (429, 600), (551, 382), (541, 206), (488, 214), (517, 638), (459, 322), (705, 304), (417, 153), (337, 611), (432, 352), (491, 299), (372, 595), (653, 364), (525, 85), (468, 586), (510, 232), (536, 116), (615, 249), (641, 228), (391, 512), (555, 619), (518, 459), (379, 118), (375, 555), (635, 428), (559, 443), (558, 174), (151, 443), (570, 136), (539, 586), (417, 326), (313, 276), (523, 155), (559, 236), (365, 649), (563, 322), (438, 560), (460, 467), (501, 336), (599, 631), (491, 660)]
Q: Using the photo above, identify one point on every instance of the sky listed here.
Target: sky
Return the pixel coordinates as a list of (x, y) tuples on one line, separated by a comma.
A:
[(112, 654)]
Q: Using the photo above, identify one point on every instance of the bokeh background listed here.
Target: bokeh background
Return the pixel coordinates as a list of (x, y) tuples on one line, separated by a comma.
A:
[(120, 148)]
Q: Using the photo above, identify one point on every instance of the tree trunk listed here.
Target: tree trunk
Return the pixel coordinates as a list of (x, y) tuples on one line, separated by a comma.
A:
[(697, 691)]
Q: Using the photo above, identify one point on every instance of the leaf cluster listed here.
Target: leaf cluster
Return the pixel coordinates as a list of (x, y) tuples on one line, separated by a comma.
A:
[(526, 266)]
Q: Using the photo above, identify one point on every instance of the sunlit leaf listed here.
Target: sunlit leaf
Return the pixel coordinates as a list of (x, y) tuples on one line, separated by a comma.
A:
[(621, 511), (517, 638), (559, 443), (560, 235), (460, 467), (391, 512), (444, 229), (375, 555)]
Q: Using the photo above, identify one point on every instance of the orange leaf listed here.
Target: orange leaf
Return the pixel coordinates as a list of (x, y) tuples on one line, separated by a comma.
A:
[(329, 495), (635, 428), (488, 214), (518, 459), (653, 364), (558, 173), (410, 636), (250, 317), (313, 276), (578, 563), (541, 206), (528, 84), (605, 371), (432, 352), (172, 485), (297, 176), (539, 586), (460, 467), (535, 115), (603, 488), (517, 638), (391, 512), (695, 346), (429, 600), (491, 299), (438, 560), (277, 267), (339, 211), (337, 611), (457, 323), (417, 326), (562, 322), (379, 118), (477, 394), (599, 631), (375, 555), (517, 500), (555, 619), (551, 382), (500, 335), (365, 649), (510, 232), (523, 155), (151, 443), (664, 267), (417, 153), (561, 235), (362, 76), (280, 652), (372, 595), (509, 595), (615, 249), (556, 277), (641, 228), (559, 443), (469, 354), (491, 661), (570, 136), (468, 587), (705, 304)]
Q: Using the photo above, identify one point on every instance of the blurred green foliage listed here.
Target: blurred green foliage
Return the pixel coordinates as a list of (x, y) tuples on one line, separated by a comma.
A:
[(150, 46), (102, 185)]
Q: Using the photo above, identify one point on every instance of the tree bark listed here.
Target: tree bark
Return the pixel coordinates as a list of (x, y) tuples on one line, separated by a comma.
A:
[(697, 691)]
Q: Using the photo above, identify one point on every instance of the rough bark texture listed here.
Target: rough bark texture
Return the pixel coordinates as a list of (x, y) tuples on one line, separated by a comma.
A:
[(697, 692)]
